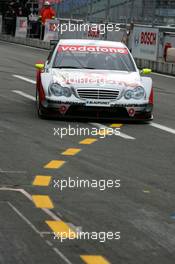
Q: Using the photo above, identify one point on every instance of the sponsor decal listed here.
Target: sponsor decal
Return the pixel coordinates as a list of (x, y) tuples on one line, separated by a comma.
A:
[(22, 23), (148, 38), (49, 32), (52, 26), (145, 43), (78, 48), (94, 33), (21, 27), (100, 81), (98, 103), (63, 108), (95, 78), (131, 112)]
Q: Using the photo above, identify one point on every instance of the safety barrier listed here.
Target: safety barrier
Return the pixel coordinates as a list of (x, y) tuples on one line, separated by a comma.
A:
[(170, 55), (21, 27), (157, 66), (50, 32), (63, 28), (143, 34), (145, 43), (37, 43), (0, 24)]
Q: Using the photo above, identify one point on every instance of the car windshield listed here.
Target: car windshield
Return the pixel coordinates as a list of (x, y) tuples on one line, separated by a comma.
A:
[(94, 57)]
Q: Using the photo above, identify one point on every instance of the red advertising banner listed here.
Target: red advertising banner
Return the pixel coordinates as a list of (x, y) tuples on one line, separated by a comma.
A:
[(50, 29), (21, 27)]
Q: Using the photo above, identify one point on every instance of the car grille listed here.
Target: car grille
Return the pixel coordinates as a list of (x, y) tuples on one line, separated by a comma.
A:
[(98, 94)]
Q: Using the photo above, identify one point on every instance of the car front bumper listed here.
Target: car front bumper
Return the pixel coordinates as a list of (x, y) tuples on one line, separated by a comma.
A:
[(80, 110)]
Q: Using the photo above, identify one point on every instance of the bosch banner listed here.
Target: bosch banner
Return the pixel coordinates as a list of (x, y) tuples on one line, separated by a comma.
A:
[(145, 43), (21, 27)]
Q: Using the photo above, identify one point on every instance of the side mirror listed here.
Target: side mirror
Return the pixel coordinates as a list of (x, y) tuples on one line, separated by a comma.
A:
[(39, 66), (146, 71)]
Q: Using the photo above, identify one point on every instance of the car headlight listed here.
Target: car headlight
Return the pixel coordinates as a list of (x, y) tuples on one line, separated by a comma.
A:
[(128, 94), (67, 92), (57, 90), (136, 93)]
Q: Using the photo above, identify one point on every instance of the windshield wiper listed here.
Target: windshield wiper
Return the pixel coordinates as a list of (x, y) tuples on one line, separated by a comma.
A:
[(66, 67), (90, 68), (73, 67)]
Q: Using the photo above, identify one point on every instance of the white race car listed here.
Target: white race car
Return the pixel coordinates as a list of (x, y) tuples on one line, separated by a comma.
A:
[(93, 79)]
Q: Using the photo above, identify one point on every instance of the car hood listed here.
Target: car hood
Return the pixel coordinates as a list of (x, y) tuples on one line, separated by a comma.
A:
[(96, 78)]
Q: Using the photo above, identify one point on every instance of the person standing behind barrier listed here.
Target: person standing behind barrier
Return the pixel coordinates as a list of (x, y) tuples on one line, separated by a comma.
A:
[(47, 12), (10, 18)]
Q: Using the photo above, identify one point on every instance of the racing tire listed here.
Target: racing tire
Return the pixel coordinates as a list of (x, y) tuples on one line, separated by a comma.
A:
[(38, 106), (148, 120)]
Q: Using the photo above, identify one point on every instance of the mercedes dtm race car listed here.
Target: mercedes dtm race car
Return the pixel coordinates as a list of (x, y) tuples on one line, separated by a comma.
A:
[(93, 79)]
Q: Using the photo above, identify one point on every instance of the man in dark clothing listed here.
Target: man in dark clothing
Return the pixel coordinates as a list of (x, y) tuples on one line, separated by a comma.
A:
[(10, 19)]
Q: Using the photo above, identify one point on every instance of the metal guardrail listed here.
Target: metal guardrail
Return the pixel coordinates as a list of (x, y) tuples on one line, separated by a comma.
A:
[(157, 66)]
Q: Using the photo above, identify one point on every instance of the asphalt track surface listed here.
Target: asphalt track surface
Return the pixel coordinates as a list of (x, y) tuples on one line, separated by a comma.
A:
[(142, 209)]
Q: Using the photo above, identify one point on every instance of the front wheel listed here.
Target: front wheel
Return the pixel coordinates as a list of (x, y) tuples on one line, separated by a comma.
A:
[(38, 106)]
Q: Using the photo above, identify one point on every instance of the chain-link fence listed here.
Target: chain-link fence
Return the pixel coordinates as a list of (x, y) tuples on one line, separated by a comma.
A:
[(125, 11)]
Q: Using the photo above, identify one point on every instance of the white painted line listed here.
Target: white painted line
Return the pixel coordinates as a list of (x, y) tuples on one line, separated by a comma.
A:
[(26, 194), (46, 233), (49, 243), (47, 211), (12, 99), (24, 218), (62, 256), (17, 172), (24, 78), (163, 75), (123, 135), (24, 95), (24, 46), (29, 197), (164, 128)]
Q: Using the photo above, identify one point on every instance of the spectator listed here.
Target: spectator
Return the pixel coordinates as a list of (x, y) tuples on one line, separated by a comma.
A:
[(47, 12), (10, 18)]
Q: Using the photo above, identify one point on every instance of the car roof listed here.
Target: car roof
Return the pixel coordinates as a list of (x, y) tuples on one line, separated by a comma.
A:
[(91, 42)]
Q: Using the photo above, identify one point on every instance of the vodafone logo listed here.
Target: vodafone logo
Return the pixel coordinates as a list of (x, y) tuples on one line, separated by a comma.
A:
[(64, 48), (148, 38)]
